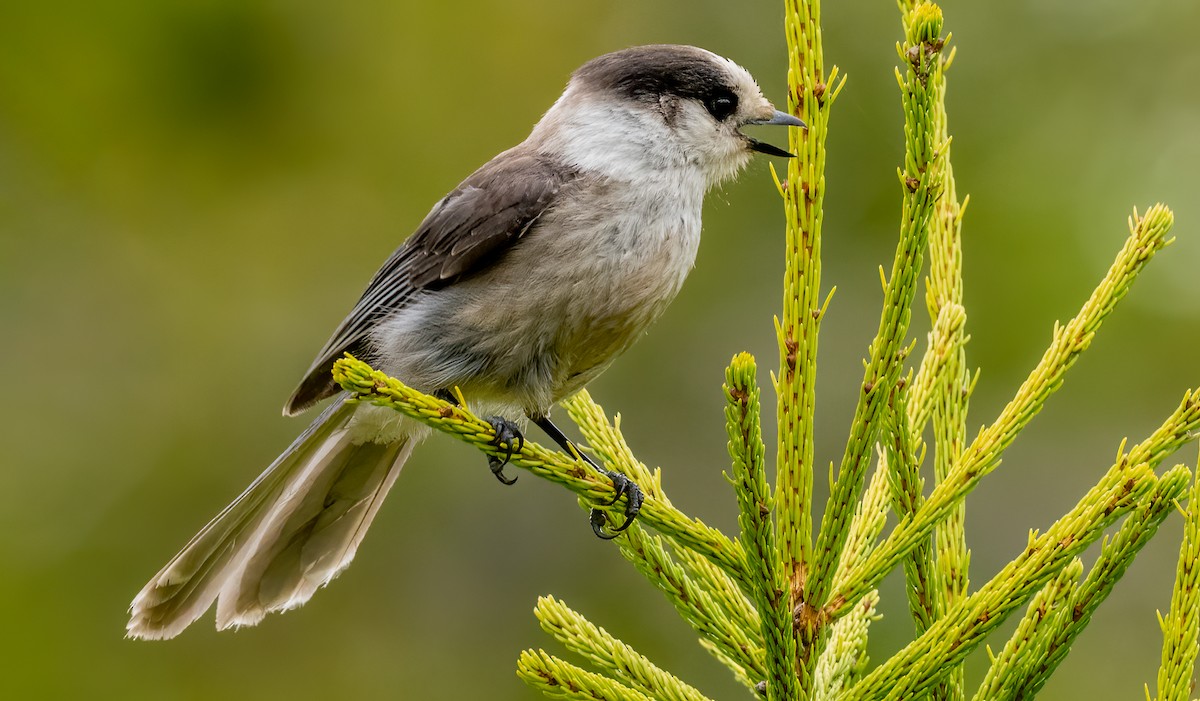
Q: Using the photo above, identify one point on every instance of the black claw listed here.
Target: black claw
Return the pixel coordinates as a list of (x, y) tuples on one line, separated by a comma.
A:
[(620, 486), (598, 522), (497, 467), (624, 487), (508, 436)]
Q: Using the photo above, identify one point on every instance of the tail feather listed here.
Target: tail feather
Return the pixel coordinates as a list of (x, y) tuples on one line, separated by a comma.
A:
[(312, 536), (295, 528)]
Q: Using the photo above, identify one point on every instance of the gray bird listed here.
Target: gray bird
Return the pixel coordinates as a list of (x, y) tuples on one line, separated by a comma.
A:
[(519, 287)]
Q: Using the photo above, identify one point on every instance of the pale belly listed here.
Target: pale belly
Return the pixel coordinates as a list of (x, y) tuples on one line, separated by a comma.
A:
[(548, 319)]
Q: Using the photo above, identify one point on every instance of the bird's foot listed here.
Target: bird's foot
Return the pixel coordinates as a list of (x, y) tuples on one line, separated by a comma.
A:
[(509, 437), (623, 487)]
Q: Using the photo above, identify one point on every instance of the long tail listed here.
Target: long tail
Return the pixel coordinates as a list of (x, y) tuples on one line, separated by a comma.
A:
[(292, 531)]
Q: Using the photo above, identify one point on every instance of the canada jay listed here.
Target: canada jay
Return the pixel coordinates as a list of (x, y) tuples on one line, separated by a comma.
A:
[(518, 288)]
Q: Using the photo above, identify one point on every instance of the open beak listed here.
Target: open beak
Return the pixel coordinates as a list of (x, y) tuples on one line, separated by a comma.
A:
[(779, 118)]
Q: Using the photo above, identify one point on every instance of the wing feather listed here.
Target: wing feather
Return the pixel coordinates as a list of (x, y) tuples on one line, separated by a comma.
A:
[(466, 232)]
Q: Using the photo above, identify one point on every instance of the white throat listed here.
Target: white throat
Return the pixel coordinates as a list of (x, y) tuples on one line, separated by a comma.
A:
[(620, 142)]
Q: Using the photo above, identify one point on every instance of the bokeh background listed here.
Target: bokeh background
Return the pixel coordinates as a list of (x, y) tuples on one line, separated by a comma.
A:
[(192, 194)]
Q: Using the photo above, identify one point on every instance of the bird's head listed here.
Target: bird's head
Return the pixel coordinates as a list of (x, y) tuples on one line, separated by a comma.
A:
[(662, 106)]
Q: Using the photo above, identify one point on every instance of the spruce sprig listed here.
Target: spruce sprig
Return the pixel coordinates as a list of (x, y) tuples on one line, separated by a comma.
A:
[(946, 582), (1025, 650), (920, 665), (770, 586), (1052, 640), (811, 94), (1181, 625), (1147, 236), (609, 654)]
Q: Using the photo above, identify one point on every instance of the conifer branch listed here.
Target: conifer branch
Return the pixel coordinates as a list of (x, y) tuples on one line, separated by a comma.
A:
[(771, 587), (920, 665), (609, 654), (741, 649), (920, 180), (944, 342), (1025, 649), (907, 492), (870, 517), (907, 412), (845, 656), (1116, 555), (722, 589), (562, 680), (944, 291), (1181, 625), (811, 94), (1147, 237)]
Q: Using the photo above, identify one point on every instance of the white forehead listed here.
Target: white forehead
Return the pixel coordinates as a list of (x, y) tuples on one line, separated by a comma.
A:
[(740, 77)]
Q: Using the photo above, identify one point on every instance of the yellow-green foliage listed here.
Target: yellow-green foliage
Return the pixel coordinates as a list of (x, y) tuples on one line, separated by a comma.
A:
[(789, 614)]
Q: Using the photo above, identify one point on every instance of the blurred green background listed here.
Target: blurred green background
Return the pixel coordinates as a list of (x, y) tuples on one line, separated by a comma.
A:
[(174, 178)]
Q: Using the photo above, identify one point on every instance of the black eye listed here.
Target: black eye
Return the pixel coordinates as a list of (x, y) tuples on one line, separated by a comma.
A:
[(721, 106)]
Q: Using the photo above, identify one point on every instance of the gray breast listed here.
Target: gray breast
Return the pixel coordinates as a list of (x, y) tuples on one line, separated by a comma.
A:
[(576, 291)]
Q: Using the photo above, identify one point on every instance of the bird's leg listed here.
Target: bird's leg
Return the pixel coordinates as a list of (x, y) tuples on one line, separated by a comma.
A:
[(622, 485), (508, 436)]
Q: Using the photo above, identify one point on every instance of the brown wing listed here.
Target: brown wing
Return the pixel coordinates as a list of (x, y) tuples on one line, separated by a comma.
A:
[(466, 232)]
